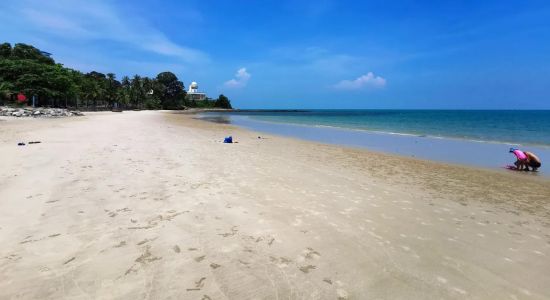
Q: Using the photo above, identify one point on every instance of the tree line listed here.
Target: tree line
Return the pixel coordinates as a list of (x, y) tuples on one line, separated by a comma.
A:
[(26, 70)]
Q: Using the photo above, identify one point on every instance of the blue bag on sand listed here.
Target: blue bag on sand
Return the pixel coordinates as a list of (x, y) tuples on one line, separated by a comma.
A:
[(228, 140)]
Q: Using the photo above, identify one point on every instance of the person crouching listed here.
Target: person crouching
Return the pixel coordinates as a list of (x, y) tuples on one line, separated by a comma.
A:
[(521, 159), (532, 161)]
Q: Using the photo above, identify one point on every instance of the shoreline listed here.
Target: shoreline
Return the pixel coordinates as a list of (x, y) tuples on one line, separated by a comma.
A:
[(416, 167), (465, 139), (153, 204), (235, 112), (473, 153)]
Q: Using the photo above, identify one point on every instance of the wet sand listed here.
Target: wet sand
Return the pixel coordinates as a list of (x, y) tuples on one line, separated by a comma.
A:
[(485, 154), (153, 205)]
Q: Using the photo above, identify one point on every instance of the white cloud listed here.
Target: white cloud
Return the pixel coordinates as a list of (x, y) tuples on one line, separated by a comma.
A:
[(240, 80), (368, 80), (101, 20)]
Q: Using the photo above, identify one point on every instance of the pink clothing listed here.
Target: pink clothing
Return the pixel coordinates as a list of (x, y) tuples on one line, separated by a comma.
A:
[(520, 155)]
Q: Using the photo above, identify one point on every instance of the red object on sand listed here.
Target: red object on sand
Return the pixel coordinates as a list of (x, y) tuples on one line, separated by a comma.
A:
[(21, 98)]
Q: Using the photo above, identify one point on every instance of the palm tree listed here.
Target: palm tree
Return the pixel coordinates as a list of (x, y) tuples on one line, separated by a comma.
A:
[(91, 91), (124, 95), (137, 92), (111, 89)]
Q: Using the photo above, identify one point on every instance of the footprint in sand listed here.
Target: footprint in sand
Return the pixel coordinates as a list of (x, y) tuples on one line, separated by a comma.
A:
[(13, 257), (244, 262), (26, 240), (131, 270), (310, 253), (200, 258), (145, 241), (342, 294), (121, 244), (285, 260), (44, 269), (214, 266), (68, 261), (281, 262), (234, 231), (177, 249), (307, 269), (198, 285), (147, 257)]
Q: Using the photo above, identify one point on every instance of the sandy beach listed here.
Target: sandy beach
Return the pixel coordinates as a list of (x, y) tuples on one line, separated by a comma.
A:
[(151, 205)]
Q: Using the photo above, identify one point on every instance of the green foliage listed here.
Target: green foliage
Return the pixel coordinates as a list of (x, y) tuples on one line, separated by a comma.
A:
[(111, 89), (136, 92), (23, 51), (5, 50), (172, 91), (5, 90), (26, 69), (223, 102)]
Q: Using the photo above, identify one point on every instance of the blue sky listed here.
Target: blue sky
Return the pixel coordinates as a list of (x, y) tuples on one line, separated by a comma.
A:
[(308, 54)]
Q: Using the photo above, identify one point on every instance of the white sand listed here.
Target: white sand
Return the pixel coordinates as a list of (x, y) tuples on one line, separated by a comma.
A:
[(151, 205)]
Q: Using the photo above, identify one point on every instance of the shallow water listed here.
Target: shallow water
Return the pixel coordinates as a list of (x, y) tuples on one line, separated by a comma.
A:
[(452, 150), (516, 127)]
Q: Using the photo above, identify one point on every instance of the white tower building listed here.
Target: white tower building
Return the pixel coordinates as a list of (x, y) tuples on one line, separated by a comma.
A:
[(193, 92)]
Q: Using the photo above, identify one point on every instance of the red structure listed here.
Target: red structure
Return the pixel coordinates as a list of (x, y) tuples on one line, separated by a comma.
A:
[(21, 98)]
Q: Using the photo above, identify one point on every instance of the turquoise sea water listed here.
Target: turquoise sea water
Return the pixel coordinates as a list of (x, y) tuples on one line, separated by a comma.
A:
[(515, 127), (476, 138)]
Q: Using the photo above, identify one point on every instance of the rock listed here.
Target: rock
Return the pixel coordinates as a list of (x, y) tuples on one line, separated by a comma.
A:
[(38, 112)]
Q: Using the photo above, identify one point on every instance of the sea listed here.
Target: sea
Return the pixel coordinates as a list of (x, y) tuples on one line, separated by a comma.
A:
[(472, 137)]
